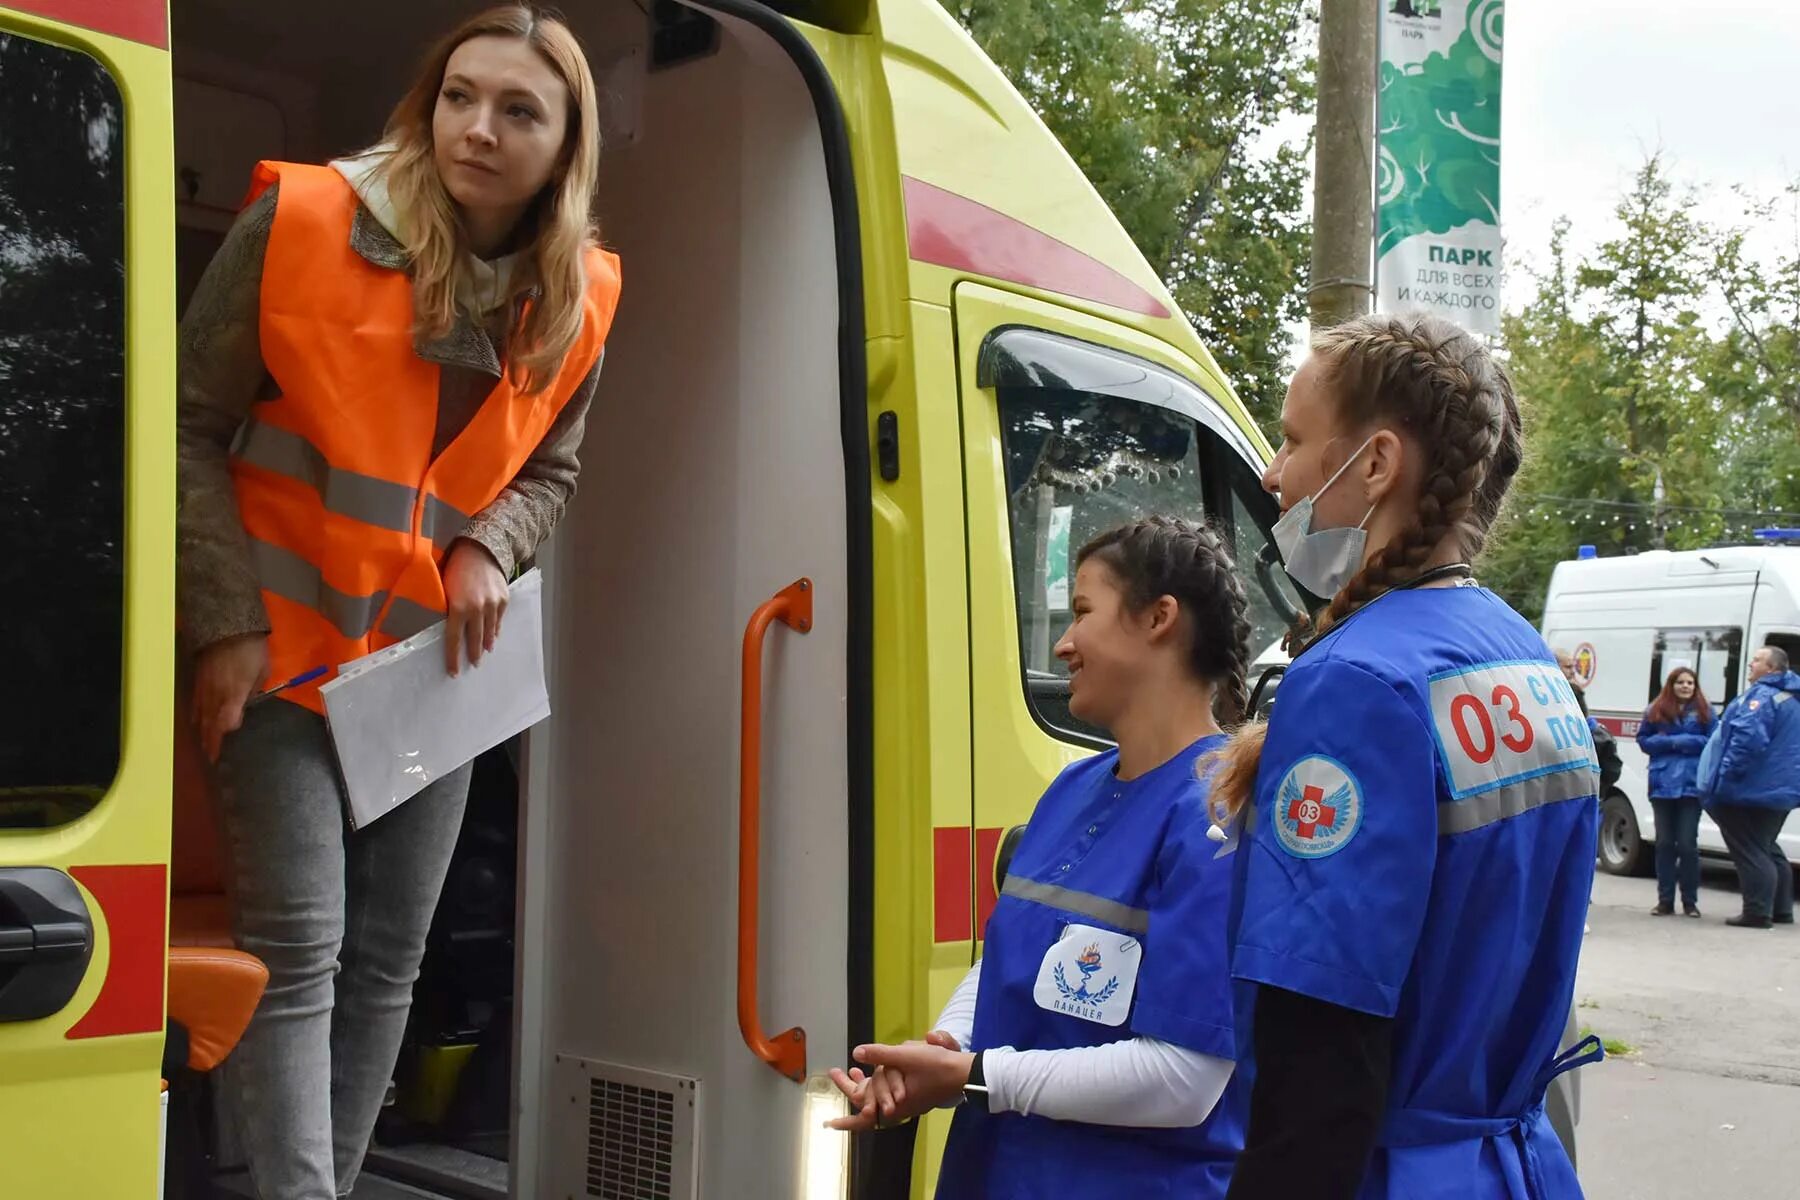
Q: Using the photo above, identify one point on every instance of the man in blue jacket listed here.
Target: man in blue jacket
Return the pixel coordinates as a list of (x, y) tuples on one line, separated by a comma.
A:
[(1750, 781)]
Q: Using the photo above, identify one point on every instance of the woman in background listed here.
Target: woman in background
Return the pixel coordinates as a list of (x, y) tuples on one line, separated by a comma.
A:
[(1672, 735)]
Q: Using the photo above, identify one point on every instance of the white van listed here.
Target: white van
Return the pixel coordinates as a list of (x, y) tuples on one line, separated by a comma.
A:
[(1629, 621)]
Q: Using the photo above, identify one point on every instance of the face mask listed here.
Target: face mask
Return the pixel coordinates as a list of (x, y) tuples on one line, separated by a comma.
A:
[(1321, 560)]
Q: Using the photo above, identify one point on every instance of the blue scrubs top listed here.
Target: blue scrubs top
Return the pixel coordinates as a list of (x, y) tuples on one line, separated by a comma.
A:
[(1111, 925), (1422, 848)]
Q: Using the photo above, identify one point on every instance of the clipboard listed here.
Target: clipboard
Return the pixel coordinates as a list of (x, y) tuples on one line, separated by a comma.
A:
[(400, 721)]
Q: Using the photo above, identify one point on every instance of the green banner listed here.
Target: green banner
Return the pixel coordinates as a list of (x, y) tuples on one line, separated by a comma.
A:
[(1437, 230)]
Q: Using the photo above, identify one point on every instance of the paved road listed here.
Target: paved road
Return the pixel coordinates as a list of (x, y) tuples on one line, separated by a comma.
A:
[(1708, 1101)]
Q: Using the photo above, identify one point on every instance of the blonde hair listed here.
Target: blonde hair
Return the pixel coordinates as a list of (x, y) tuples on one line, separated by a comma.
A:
[(1439, 385), (561, 218)]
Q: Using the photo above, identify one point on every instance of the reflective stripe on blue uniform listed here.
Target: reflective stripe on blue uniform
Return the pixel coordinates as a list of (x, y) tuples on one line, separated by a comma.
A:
[(1130, 861), (1423, 850)]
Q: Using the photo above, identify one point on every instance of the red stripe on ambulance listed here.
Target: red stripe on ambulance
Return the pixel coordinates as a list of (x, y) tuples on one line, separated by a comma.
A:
[(948, 230), (1619, 726), (133, 902), (145, 21), (951, 868)]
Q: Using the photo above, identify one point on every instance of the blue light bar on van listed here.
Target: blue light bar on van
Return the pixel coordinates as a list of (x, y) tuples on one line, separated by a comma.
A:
[(1586, 552), (1778, 535)]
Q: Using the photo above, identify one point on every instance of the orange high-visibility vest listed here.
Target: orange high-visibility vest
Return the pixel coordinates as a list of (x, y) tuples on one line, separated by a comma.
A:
[(348, 514)]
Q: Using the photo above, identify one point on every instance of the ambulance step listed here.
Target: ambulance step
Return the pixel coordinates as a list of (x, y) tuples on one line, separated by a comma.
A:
[(368, 1187), (441, 1170), (623, 1133), (373, 1187)]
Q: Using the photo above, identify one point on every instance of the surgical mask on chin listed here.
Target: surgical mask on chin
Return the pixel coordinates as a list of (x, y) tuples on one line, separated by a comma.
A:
[(1322, 560)]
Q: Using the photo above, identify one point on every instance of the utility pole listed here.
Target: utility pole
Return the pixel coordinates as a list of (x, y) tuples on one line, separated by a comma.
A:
[(1662, 525), (1343, 245)]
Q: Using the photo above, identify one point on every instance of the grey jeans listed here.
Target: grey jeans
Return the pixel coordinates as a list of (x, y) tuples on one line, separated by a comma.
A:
[(340, 917)]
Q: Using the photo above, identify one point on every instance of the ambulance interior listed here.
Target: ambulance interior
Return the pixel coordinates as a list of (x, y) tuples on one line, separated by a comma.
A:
[(575, 1014)]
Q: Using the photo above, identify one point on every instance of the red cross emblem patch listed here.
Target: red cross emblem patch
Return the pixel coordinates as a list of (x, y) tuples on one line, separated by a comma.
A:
[(1317, 808)]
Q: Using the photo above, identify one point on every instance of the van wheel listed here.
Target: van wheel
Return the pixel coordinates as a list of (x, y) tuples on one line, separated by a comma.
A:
[(1622, 849)]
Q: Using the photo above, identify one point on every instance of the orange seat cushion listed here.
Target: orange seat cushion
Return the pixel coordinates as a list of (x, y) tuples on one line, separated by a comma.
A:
[(213, 993)]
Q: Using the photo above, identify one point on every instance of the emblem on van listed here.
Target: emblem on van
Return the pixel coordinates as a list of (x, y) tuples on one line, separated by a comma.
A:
[(1587, 664)]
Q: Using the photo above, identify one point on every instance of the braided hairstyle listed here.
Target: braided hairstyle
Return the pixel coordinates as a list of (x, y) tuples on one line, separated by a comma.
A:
[(1435, 384), (1167, 556)]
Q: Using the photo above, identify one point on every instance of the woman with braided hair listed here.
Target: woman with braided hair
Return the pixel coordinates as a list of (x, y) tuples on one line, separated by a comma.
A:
[(1091, 1050), (1417, 863)]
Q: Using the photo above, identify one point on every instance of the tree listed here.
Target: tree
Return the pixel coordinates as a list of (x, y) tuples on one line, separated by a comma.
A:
[(1763, 298), (1167, 105), (1611, 361), (1754, 370)]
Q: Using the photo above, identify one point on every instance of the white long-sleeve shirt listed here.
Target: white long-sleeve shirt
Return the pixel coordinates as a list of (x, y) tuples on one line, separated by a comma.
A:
[(1140, 1082)]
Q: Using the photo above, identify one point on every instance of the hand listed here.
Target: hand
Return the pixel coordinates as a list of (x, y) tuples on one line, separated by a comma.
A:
[(857, 1088), (879, 1097), (889, 1090), (225, 675), (475, 594), (909, 1079), (872, 1099)]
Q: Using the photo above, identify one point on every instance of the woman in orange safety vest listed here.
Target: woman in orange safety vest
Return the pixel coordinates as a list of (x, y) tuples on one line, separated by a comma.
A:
[(384, 378)]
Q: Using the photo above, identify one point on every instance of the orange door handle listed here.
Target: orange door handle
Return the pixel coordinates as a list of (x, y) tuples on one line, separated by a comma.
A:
[(793, 607)]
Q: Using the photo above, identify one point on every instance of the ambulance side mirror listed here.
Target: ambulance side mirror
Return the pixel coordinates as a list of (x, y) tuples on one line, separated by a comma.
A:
[(1268, 562), (1009, 844)]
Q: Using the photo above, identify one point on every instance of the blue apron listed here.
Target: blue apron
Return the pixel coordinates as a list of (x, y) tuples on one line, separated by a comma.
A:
[(1423, 849), (1111, 925)]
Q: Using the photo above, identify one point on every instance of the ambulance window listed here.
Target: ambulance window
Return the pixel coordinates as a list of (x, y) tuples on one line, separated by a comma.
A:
[(62, 431), (1715, 656), (1077, 464)]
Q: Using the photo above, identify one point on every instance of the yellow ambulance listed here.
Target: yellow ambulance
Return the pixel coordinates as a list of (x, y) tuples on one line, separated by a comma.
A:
[(884, 362)]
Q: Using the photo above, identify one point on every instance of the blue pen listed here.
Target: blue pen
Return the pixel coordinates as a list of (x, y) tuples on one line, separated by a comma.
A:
[(296, 681)]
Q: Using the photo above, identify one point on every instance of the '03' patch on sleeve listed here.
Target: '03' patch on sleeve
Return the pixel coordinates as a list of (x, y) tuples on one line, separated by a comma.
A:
[(1504, 725), (1318, 807)]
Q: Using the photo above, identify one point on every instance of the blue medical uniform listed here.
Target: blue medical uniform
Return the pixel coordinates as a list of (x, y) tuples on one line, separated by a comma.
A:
[(1104, 863), (1422, 849)]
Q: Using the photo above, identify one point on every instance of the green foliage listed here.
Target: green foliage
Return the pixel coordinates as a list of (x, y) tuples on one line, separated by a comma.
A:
[(1167, 106), (1669, 351), (1755, 368)]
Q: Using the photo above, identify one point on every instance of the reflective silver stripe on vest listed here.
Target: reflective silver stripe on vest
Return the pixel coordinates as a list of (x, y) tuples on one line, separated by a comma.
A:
[(364, 498), (293, 578), (1783, 697), (405, 618), (1460, 816), (1120, 916), (442, 522)]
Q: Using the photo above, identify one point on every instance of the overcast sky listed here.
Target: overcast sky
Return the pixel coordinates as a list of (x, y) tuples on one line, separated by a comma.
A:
[(1590, 86)]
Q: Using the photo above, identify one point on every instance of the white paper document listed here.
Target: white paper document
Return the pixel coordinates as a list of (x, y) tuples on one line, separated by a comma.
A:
[(401, 721)]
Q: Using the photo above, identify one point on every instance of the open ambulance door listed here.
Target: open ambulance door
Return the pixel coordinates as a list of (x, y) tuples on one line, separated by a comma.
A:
[(692, 948), (87, 503)]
